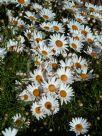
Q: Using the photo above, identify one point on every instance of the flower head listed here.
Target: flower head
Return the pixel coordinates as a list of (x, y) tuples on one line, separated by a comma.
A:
[(79, 125), (58, 42), (65, 93), (37, 111), (49, 104), (47, 14)]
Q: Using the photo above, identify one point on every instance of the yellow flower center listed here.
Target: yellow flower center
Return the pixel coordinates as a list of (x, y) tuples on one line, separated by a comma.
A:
[(92, 9), (21, 1), (45, 17), (83, 13), (18, 122), (76, 38), (45, 53), (21, 26), (52, 88), (24, 97), (54, 65), (48, 105), (38, 110), (73, 45), (46, 27), (79, 20), (78, 127), (63, 93), (38, 40), (37, 62), (84, 32), (32, 18), (84, 76), (64, 78), (36, 92), (77, 65), (39, 78), (14, 22), (74, 27), (59, 43), (90, 41), (56, 28)]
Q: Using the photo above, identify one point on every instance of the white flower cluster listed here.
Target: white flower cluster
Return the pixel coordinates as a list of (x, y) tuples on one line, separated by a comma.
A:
[(56, 45)]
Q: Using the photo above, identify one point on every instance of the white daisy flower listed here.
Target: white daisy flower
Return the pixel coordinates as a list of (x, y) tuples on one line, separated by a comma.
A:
[(79, 18), (25, 96), (45, 50), (37, 76), (49, 104), (38, 36), (16, 117), (93, 53), (90, 38), (57, 27), (77, 36), (79, 125), (53, 63), (65, 75), (91, 7), (75, 44), (84, 74), (47, 14), (59, 43), (31, 16), (10, 132), (18, 120), (34, 90), (85, 30), (79, 62), (46, 26), (51, 86), (37, 111), (67, 64), (74, 25), (65, 93), (30, 27)]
